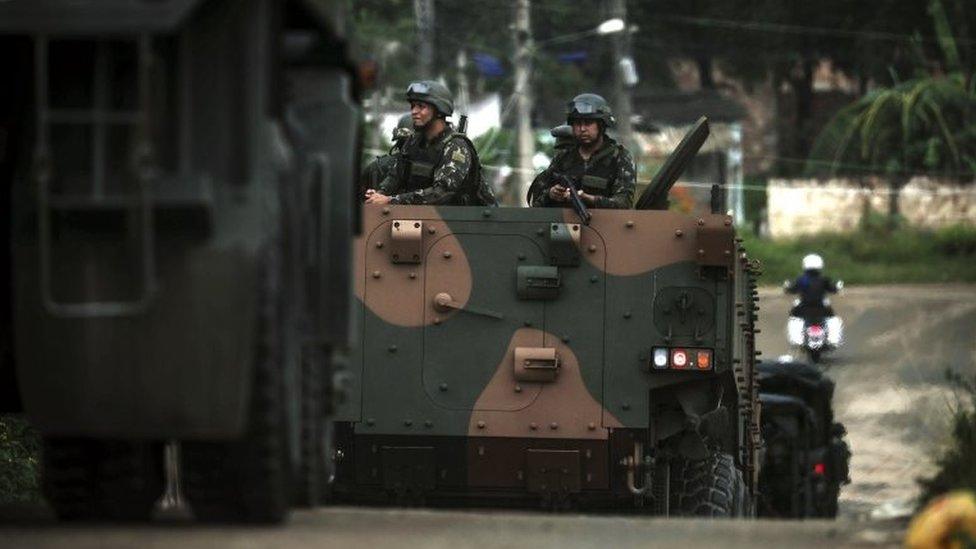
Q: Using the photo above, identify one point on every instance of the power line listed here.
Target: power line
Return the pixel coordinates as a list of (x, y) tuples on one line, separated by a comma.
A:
[(784, 28)]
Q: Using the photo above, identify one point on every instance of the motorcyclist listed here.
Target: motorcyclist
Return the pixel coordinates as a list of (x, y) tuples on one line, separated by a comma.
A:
[(813, 304)]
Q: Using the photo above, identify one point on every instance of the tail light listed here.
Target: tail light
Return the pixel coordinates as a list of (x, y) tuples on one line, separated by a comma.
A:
[(819, 469), (663, 358)]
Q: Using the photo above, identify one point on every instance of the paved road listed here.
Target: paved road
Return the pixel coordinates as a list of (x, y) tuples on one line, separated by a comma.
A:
[(891, 390), (890, 394), (376, 528)]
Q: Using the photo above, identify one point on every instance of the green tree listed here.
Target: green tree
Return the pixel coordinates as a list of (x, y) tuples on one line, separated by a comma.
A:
[(925, 125)]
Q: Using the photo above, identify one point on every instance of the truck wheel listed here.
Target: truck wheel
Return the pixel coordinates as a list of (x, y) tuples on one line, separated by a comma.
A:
[(246, 480), (313, 486), (87, 479), (711, 487)]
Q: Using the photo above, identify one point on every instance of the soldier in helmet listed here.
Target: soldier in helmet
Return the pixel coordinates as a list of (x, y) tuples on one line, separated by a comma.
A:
[(437, 165), (564, 137), (377, 170), (604, 168)]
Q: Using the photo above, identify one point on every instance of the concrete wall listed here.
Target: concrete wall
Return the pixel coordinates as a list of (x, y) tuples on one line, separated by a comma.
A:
[(807, 206)]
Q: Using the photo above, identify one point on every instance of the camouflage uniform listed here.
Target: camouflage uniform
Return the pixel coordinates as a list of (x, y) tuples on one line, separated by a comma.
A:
[(609, 175), (377, 170), (442, 172)]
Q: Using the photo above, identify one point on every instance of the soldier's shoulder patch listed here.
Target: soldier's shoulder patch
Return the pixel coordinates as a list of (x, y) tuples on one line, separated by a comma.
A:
[(458, 155)]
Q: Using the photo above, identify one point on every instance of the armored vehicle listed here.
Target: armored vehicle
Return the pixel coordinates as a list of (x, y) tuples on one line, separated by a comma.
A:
[(806, 458), (181, 219), (525, 357)]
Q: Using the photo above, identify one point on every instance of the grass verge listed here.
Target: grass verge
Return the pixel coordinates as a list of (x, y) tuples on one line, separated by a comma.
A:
[(956, 463), (873, 255)]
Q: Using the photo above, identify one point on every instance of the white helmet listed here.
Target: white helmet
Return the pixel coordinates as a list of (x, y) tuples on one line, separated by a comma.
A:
[(813, 262)]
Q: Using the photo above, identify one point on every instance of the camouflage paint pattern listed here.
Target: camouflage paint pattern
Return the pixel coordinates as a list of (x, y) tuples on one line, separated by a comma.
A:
[(424, 372)]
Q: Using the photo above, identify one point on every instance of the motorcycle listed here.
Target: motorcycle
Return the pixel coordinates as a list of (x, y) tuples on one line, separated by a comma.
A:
[(815, 332)]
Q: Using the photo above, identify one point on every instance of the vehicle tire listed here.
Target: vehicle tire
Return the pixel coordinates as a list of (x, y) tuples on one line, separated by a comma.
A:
[(313, 484), (711, 487), (247, 480), (88, 479)]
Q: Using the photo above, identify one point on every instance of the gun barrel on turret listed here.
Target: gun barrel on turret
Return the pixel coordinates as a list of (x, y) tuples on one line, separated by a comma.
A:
[(655, 196)]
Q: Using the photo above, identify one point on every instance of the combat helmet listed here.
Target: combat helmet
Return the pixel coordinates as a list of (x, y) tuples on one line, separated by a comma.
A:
[(404, 128), (589, 106), (433, 92), (564, 136)]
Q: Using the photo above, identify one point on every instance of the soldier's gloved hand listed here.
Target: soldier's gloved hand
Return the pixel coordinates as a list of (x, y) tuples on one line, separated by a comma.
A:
[(376, 198), (587, 199), (558, 193)]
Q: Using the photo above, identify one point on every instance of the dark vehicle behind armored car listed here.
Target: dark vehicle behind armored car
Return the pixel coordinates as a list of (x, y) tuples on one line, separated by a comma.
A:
[(806, 458), (181, 214)]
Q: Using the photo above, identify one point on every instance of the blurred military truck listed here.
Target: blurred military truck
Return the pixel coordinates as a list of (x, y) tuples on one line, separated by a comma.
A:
[(806, 458), (180, 179), (525, 357)]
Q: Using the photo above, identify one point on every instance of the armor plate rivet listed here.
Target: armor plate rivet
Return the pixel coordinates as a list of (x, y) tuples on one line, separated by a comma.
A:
[(481, 424), (553, 425), (379, 244), (627, 314), (431, 230), (370, 422), (486, 213), (630, 224), (565, 339), (518, 388), (447, 255), (428, 424), (625, 406), (594, 279), (393, 348), (521, 257), (679, 233), (442, 386), (533, 426), (592, 427), (701, 222), (376, 274), (408, 422), (437, 321), (386, 211), (540, 232), (413, 275), (591, 248)]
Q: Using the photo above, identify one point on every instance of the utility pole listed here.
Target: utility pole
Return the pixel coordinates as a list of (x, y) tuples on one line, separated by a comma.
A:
[(624, 74), (523, 99), (463, 96), (424, 14)]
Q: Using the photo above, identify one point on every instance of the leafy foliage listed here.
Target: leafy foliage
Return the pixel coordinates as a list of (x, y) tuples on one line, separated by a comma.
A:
[(955, 464), (19, 461), (923, 125)]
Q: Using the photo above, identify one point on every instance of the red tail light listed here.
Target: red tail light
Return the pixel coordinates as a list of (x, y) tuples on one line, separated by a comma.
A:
[(679, 359), (819, 469)]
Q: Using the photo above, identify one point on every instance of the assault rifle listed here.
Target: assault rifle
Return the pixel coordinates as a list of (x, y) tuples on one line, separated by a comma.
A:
[(574, 198)]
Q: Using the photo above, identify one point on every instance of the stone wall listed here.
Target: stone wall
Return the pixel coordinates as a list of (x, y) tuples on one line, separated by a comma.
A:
[(807, 206)]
